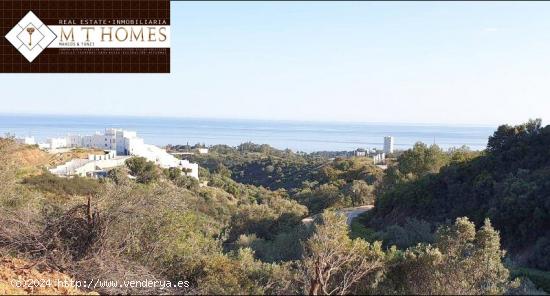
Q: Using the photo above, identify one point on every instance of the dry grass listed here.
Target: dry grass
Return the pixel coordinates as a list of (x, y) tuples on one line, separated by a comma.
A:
[(12, 269), (31, 160), (82, 153)]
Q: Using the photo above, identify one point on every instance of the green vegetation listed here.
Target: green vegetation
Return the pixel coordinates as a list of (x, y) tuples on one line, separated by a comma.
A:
[(145, 171), (358, 229), (179, 178), (508, 184), (243, 233), (63, 186), (313, 181), (333, 263), (462, 261), (163, 227), (540, 278), (261, 165)]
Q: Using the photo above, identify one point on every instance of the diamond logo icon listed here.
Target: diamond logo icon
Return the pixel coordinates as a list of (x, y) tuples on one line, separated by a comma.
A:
[(30, 36)]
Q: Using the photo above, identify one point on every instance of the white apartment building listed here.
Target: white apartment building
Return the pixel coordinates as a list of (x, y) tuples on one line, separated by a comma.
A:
[(55, 143), (113, 139), (131, 146), (388, 144), (74, 141), (94, 166), (105, 141), (126, 143), (162, 158)]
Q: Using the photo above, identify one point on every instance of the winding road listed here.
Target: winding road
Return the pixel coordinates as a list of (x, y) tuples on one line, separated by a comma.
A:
[(351, 213)]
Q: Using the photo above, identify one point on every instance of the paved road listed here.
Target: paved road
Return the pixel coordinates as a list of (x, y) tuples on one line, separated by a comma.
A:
[(351, 213)]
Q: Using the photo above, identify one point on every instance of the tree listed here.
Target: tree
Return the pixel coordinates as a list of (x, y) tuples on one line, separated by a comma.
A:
[(490, 275), (118, 175), (507, 135), (507, 183), (361, 193), (145, 171), (462, 261), (422, 160), (239, 273), (322, 197), (272, 214), (173, 173), (410, 234), (222, 170), (335, 264), (178, 176), (473, 260)]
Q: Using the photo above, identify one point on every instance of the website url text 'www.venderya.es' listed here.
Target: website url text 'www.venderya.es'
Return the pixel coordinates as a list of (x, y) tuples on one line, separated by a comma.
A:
[(98, 283)]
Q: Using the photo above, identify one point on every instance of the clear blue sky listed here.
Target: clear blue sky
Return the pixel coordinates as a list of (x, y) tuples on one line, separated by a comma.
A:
[(425, 62)]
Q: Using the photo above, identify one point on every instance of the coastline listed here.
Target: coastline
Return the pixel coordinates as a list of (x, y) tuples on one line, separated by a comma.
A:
[(295, 135)]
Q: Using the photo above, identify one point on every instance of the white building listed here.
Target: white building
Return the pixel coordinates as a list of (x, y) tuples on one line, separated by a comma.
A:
[(388, 144), (74, 141), (92, 167), (131, 146), (360, 152), (125, 143), (162, 158), (55, 143), (379, 158), (26, 141)]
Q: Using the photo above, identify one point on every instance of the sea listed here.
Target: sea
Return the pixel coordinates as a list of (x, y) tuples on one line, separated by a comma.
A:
[(294, 135)]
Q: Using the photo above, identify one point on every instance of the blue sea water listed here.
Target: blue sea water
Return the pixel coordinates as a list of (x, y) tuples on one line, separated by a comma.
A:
[(298, 136)]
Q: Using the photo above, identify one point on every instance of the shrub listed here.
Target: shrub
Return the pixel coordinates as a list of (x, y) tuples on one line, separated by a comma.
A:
[(145, 171), (462, 261), (63, 186)]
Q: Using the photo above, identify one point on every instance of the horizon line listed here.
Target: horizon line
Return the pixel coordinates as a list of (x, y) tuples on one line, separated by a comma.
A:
[(492, 125)]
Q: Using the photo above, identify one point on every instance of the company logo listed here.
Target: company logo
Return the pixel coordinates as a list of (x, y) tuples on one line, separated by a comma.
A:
[(92, 36), (30, 36)]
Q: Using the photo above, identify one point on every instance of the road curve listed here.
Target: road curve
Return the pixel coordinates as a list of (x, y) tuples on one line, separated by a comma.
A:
[(350, 213)]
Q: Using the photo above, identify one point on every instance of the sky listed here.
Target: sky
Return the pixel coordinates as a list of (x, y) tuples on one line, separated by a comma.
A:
[(481, 63)]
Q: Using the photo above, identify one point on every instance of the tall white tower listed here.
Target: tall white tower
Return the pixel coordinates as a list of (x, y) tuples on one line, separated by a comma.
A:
[(388, 144)]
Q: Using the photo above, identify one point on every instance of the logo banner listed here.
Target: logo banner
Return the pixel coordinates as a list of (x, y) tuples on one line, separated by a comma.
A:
[(91, 36)]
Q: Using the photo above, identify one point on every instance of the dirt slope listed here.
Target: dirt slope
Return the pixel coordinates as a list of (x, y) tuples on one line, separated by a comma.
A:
[(14, 272)]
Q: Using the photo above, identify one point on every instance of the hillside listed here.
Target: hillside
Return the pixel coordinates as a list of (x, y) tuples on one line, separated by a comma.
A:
[(46, 279), (31, 160), (510, 184), (235, 238), (62, 157), (164, 227), (262, 165), (316, 182)]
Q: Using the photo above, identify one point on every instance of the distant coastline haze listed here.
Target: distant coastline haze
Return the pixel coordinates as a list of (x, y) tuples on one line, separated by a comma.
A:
[(295, 135)]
